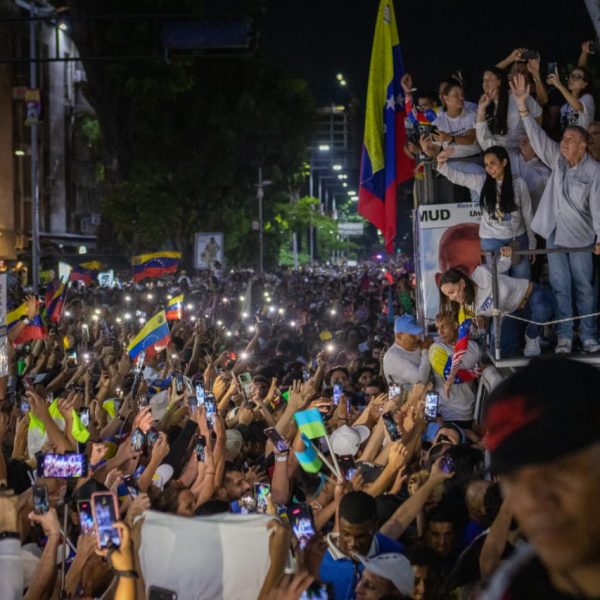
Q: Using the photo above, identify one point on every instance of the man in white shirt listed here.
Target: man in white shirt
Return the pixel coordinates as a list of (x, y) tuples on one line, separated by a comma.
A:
[(406, 362), (568, 217)]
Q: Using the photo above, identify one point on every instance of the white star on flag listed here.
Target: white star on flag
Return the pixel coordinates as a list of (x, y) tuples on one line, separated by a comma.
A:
[(390, 103)]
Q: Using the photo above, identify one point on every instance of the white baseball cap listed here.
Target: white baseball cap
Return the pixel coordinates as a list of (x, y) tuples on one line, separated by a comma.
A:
[(395, 568), (159, 404), (346, 440), (162, 475)]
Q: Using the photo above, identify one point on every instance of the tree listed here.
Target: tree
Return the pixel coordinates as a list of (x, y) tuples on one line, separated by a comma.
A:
[(182, 143)]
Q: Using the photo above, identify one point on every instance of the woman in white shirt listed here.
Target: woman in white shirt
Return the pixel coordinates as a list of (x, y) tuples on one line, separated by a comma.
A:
[(505, 205), (515, 296), (455, 124), (579, 107), (502, 114)]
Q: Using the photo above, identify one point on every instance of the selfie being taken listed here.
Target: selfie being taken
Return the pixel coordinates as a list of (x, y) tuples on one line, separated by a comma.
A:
[(299, 301)]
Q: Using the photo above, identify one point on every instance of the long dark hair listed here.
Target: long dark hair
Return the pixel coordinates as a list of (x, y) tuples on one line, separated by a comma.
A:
[(487, 196), (497, 115), (455, 276)]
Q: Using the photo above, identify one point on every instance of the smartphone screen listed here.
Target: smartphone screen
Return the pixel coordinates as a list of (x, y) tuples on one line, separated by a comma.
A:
[(391, 426), (24, 406), (245, 380), (338, 390), (200, 448), (84, 416), (346, 463), (247, 505), (86, 518), (432, 400), (179, 382), (318, 591), (211, 409), (27, 383), (137, 439), (278, 440), (40, 499), (200, 394), (131, 484), (301, 520), (62, 466), (394, 390), (447, 464), (261, 491), (106, 512)]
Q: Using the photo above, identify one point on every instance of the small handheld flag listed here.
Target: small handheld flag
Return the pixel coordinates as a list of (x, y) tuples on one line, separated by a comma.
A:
[(309, 461), (152, 338), (310, 423), (174, 308)]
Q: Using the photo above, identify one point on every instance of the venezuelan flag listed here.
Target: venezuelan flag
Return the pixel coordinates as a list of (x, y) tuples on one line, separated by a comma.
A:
[(34, 330), (384, 164), (174, 308), (55, 300), (309, 460), (80, 273), (155, 264), (154, 336), (310, 423)]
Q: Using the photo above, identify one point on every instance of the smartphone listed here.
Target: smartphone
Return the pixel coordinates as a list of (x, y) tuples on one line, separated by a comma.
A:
[(200, 394), (302, 523), (261, 491), (62, 466), (390, 424), (84, 416), (131, 482), (27, 383), (200, 448), (40, 499), (105, 509), (432, 400), (179, 382), (529, 55), (278, 440), (86, 518), (447, 464), (338, 391), (247, 505), (137, 439), (305, 374), (245, 380), (347, 465), (394, 390), (318, 591), (211, 409), (71, 358), (152, 437), (156, 593), (24, 407), (552, 68)]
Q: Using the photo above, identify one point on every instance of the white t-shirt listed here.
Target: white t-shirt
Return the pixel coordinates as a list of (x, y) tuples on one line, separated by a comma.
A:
[(515, 128), (458, 126), (569, 116), (460, 404), (511, 290)]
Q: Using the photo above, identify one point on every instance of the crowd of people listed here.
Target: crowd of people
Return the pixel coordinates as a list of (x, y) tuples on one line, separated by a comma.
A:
[(529, 153), (391, 492)]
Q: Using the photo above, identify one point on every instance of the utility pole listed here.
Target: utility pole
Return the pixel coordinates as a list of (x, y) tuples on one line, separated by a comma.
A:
[(35, 187), (260, 193)]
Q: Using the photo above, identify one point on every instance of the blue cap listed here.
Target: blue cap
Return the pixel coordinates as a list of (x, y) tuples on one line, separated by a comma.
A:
[(407, 324)]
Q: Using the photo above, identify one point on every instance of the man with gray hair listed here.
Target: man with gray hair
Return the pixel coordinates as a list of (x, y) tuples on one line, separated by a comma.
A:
[(568, 217)]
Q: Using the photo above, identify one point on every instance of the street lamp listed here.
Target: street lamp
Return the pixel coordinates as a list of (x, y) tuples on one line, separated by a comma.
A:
[(324, 147), (337, 167)]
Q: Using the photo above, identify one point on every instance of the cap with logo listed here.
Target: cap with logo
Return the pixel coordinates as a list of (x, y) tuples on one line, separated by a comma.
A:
[(544, 411)]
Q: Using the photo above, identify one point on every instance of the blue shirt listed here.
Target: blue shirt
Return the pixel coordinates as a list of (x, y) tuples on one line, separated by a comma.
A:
[(344, 573)]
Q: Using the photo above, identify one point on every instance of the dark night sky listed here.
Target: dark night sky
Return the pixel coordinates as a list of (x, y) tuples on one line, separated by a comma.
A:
[(315, 39)]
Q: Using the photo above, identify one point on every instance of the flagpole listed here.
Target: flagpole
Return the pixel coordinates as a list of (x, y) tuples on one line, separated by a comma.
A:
[(322, 457), (338, 472)]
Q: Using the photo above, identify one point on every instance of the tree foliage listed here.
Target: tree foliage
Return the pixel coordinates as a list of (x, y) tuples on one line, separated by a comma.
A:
[(182, 142)]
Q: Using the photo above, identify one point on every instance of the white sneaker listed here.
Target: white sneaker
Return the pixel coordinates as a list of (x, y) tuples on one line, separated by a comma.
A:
[(563, 346), (532, 346), (591, 345)]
